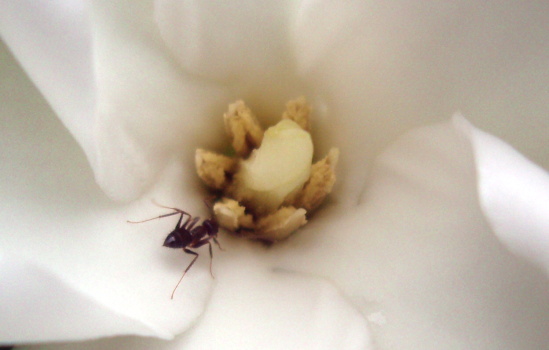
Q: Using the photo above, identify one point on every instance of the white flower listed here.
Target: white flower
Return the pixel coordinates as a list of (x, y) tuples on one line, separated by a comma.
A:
[(436, 238)]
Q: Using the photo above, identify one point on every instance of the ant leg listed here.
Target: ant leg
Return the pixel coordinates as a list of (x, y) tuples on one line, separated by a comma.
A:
[(216, 242), (192, 223), (178, 226), (200, 244), (187, 269), (211, 259), (156, 217), (210, 201)]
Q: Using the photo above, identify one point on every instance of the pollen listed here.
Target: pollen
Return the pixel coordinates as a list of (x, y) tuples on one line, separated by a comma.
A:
[(269, 189)]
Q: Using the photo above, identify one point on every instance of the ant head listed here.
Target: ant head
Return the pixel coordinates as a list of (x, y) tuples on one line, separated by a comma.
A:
[(174, 240)]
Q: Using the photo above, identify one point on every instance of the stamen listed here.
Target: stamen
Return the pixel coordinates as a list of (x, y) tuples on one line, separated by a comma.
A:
[(270, 186)]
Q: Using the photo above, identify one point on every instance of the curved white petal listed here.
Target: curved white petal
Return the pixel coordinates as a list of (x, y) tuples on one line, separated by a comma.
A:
[(53, 42), (513, 193), (106, 72), (226, 41), (383, 67), (243, 45), (67, 252), (419, 258), (148, 109), (39, 306), (254, 308)]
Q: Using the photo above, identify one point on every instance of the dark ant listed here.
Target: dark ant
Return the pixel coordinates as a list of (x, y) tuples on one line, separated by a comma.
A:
[(188, 235)]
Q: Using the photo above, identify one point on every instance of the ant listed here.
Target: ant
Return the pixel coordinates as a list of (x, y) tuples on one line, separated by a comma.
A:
[(189, 235)]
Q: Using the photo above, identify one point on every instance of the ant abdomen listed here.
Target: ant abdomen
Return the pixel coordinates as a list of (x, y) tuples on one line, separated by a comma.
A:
[(174, 240)]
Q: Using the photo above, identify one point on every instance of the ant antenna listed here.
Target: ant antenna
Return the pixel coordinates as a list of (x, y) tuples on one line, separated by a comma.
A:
[(176, 211), (155, 218), (172, 208)]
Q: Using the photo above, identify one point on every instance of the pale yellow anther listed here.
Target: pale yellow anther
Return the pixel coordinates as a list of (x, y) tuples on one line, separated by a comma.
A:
[(299, 111), (280, 224), (243, 128), (231, 215), (214, 169), (320, 183)]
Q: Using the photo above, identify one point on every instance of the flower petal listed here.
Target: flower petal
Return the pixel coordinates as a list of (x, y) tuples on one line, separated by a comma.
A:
[(225, 41), (417, 255), (128, 95), (381, 68), (93, 271), (243, 45), (513, 193), (52, 40), (40, 306), (144, 99), (254, 308)]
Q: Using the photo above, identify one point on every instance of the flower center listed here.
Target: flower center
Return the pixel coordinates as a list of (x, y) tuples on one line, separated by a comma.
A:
[(270, 186)]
